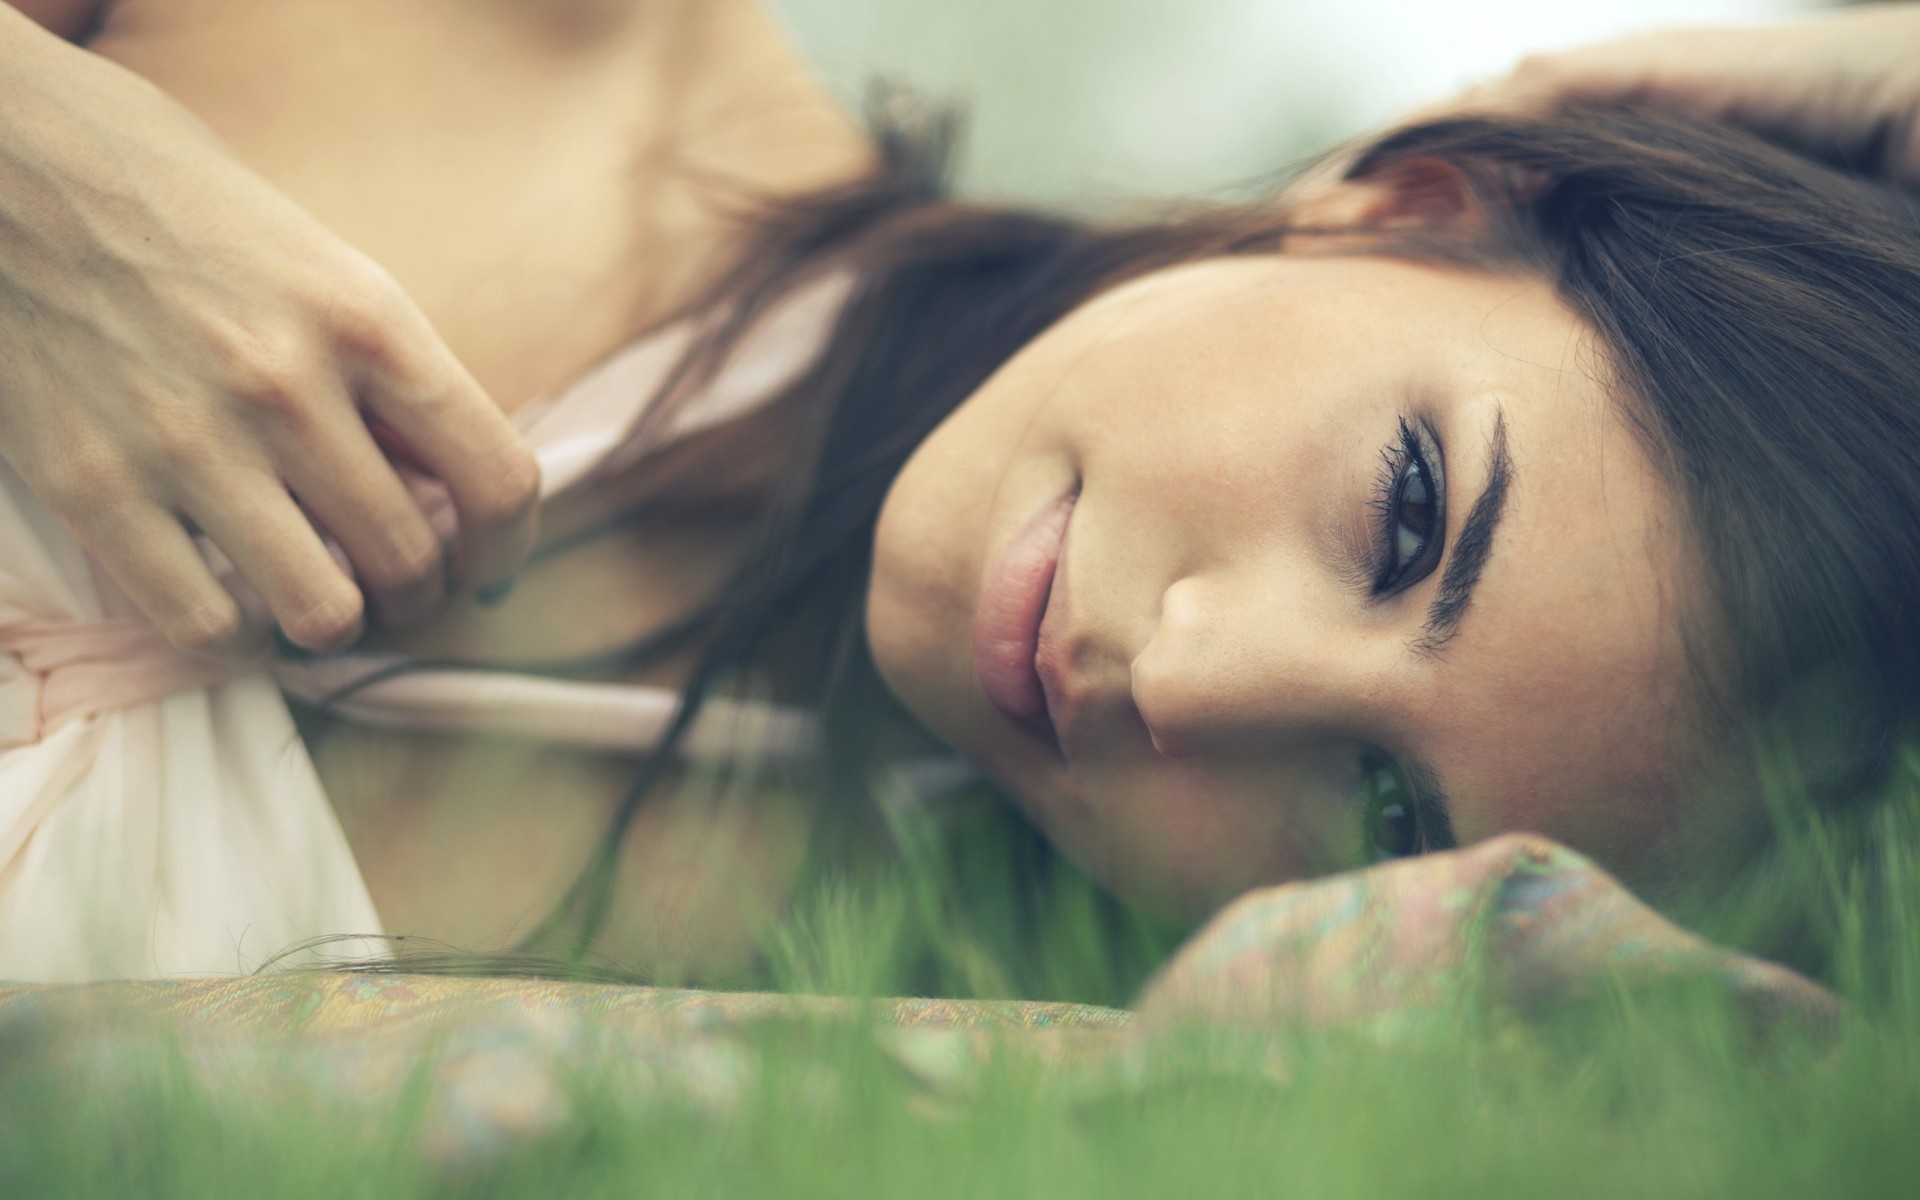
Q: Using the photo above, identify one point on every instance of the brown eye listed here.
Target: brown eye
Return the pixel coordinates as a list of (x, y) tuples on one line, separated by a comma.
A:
[(1411, 503), (1392, 828), (1413, 514)]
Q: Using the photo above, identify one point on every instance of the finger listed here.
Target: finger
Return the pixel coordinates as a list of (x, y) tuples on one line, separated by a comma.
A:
[(412, 383), (350, 489), (1746, 77), (156, 563), (1672, 65), (1538, 83), (1784, 90), (256, 524)]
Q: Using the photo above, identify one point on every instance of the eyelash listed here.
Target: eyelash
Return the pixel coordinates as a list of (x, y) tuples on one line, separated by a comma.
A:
[(1388, 793), (1401, 463), (1430, 828), (1376, 801)]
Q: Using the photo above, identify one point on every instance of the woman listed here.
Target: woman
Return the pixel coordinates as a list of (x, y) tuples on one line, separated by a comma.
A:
[(1505, 483)]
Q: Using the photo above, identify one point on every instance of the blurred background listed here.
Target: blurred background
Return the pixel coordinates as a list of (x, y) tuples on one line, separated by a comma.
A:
[(1083, 103)]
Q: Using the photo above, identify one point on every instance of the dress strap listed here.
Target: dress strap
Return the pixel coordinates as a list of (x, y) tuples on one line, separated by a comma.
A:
[(600, 716), (593, 427)]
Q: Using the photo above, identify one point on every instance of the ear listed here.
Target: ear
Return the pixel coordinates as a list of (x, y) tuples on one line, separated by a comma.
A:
[(1416, 193)]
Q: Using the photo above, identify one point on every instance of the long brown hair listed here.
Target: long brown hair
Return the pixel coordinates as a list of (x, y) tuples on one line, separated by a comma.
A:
[(1762, 312)]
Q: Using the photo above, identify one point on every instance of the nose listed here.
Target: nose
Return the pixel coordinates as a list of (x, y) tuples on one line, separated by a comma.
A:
[(1228, 668)]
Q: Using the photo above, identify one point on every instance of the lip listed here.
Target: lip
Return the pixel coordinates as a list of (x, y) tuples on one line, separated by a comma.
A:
[(1006, 624)]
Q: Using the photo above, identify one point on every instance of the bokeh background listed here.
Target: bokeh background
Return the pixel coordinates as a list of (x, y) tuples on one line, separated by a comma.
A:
[(1083, 103)]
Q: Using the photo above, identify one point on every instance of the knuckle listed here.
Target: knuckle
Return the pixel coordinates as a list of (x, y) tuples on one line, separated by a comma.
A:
[(86, 480), (205, 627), (270, 373), (327, 621), (1532, 68), (1542, 68), (367, 316), (273, 391), (407, 559), (1518, 848), (177, 447), (512, 489)]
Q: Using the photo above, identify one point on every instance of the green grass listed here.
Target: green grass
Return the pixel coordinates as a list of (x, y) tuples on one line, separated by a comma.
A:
[(1658, 1096)]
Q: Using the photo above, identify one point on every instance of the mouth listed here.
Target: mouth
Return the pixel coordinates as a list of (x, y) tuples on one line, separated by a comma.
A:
[(1006, 624)]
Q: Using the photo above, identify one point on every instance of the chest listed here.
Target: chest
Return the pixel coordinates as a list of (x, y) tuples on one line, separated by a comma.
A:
[(510, 163), (493, 155), (469, 839)]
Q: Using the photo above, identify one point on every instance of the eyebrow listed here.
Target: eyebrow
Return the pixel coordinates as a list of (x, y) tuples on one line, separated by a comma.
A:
[(1470, 553), (1433, 814)]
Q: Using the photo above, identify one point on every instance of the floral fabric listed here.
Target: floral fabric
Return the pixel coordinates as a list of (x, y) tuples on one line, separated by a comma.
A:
[(1516, 922)]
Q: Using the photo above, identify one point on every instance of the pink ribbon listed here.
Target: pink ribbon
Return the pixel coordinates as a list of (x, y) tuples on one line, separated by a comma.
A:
[(84, 670)]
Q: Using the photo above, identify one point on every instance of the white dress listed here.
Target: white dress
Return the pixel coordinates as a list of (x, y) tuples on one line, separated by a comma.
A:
[(159, 815)]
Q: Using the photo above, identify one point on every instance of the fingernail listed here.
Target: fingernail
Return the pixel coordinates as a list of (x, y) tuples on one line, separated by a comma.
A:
[(493, 593)]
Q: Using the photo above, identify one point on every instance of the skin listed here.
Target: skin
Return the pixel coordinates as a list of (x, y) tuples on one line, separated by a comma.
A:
[(188, 351), (1218, 652), (344, 232), (544, 180), (1840, 85), (1225, 422)]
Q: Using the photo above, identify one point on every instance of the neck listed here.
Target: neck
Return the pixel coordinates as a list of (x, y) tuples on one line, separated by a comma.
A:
[(740, 117)]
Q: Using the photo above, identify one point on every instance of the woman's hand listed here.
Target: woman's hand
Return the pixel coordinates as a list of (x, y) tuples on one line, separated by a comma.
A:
[(1516, 920), (183, 348), (1843, 86)]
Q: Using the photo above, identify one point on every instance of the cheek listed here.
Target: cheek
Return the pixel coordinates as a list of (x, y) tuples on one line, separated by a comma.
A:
[(1571, 724), (1579, 760), (1565, 693), (959, 495), (1190, 835), (912, 591)]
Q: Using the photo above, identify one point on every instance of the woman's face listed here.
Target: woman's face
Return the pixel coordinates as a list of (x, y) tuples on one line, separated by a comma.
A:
[(1233, 561)]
